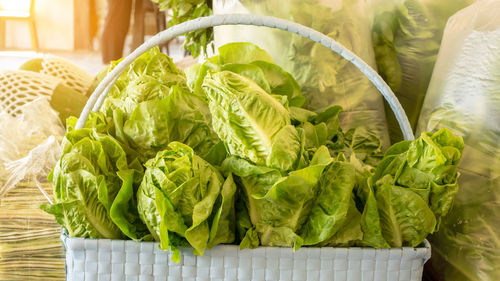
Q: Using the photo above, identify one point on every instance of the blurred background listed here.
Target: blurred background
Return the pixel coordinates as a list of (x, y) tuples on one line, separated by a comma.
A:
[(72, 29)]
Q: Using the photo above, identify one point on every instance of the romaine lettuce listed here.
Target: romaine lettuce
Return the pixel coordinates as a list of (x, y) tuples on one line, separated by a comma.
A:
[(249, 120), (151, 106), (415, 184), (184, 200), (278, 205), (85, 184)]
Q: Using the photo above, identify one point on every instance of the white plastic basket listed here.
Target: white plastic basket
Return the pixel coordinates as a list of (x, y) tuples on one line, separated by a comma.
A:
[(120, 260), (101, 259)]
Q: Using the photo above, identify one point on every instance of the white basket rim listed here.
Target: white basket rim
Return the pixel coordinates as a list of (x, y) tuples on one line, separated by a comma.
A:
[(423, 251)]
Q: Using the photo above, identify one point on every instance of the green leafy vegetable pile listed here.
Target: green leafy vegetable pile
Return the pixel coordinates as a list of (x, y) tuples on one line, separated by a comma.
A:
[(227, 154)]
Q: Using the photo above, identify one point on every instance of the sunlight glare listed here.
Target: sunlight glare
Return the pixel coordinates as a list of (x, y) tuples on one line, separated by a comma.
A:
[(15, 5)]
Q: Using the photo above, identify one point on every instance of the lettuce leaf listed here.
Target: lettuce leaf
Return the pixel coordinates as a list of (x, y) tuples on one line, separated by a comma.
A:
[(181, 116), (370, 217), (330, 210), (124, 212), (405, 217), (93, 166), (245, 117), (249, 60)]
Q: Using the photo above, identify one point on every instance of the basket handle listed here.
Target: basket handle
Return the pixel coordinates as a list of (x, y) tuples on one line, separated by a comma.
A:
[(96, 99)]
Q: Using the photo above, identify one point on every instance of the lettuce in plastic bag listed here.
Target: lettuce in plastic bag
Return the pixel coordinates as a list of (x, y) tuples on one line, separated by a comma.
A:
[(406, 37), (463, 96)]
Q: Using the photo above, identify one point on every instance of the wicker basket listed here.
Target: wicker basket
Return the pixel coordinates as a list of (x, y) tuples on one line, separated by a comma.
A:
[(120, 260), (101, 259)]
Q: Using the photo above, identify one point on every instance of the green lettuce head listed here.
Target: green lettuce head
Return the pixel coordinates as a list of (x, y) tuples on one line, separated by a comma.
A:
[(277, 205), (151, 106), (185, 201), (149, 77), (251, 123), (415, 184), (92, 188)]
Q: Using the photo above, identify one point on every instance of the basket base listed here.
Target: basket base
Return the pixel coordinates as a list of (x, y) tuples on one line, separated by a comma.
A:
[(120, 260)]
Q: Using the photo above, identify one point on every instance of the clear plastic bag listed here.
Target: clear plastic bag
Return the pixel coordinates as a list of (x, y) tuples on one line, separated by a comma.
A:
[(325, 77), (464, 95), (30, 248), (406, 38)]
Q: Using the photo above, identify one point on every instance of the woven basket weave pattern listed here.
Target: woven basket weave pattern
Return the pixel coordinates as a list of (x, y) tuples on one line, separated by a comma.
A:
[(118, 260)]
